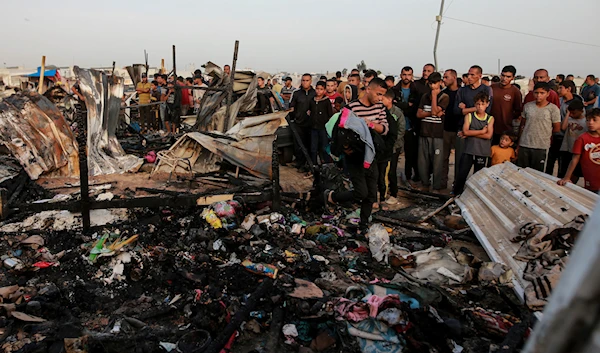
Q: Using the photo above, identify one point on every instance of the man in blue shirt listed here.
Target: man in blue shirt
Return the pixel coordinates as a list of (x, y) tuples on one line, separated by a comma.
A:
[(590, 93)]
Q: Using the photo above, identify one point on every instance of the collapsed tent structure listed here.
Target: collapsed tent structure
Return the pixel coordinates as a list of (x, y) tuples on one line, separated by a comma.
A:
[(249, 145), (103, 101)]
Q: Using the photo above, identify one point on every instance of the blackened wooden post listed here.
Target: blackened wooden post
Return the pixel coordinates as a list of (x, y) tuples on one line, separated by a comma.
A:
[(230, 90), (174, 65), (275, 173), (83, 168)]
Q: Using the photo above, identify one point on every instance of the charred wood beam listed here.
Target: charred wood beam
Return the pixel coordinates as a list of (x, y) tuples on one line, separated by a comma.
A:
[(408, 225), (84, 204), (242, 315), (275, 173), (230, 86), (298, 141), (185, 200)]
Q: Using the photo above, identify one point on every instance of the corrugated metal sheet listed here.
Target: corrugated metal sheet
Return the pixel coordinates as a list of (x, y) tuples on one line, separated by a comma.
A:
[(498, 200), (37, 134)]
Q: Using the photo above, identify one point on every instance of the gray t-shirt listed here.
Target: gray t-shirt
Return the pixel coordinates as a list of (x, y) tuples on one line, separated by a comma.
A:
[(575, 129), (538, 126)]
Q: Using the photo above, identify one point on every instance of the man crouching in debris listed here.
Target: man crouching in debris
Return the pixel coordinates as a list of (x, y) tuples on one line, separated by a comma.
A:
[(356, 135)]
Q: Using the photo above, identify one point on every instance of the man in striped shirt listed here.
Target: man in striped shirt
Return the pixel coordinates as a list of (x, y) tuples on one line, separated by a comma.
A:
[(371, 110), (431, 136)]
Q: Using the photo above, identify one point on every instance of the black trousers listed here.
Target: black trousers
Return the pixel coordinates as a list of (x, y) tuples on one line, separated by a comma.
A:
[(464, 167), (533, 158), (411, 152), (554, 154), (145, 117), (393, 174), (364, 182), (304, 132)]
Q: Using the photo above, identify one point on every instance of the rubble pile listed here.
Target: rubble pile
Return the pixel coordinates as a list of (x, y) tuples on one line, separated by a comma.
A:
[(240, 277)]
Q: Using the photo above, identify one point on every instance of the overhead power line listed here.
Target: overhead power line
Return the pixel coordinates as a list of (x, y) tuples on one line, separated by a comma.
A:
[(447, 7), (523, 33)]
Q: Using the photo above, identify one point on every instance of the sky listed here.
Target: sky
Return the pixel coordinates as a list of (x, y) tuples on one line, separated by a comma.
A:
[(304, 36)]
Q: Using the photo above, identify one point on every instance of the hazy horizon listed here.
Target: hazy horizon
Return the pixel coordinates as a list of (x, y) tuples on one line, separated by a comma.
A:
[(310, 36)]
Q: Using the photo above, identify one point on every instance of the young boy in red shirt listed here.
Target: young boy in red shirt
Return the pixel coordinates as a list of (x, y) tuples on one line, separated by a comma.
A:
[(586, 151)]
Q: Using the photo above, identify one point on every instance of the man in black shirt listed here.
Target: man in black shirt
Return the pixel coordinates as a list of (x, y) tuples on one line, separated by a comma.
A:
[(301, 104), (451, 123)]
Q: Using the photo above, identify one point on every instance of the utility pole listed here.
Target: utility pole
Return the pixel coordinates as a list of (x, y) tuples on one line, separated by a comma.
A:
[(437, 35)]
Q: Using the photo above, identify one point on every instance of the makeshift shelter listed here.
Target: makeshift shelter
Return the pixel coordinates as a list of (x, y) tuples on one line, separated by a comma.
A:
[(51, 77), (248, 145)]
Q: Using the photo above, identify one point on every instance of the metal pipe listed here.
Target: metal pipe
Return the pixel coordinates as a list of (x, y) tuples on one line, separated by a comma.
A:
[(231, 80), (437, 35)]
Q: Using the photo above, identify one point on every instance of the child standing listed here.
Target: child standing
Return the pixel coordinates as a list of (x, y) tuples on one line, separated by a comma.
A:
[(503, 152), (389, 141), (398, 116), (478, 130), (173, 101), (320, 112), (431, 141), (586, 152), (540, 119), (574, 125)]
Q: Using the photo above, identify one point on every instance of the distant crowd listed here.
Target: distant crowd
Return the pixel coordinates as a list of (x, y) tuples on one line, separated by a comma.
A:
[(176, 102), (365, 123)]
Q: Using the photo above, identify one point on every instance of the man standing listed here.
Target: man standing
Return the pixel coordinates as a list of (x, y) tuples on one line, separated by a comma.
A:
[(590, 93), (465, 104), (389, 81), (406, 95), (185, 96), (338, 77), (332, 94), (300, 101), (369, 75), (276, 86), (342, 85), (162, 86), (364, 178), (451, 121), (143, 91), (226, 70), (506, 103), (286, 92), (541, 75)]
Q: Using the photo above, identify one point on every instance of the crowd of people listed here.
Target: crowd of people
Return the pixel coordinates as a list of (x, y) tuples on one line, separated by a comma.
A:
[(175, 102), (365, 123)]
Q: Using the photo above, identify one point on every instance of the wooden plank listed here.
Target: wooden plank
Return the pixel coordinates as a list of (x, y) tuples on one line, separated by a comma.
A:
[(209, 200)]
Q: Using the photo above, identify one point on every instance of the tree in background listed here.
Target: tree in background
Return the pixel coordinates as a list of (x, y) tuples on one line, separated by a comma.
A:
[(362, 66)]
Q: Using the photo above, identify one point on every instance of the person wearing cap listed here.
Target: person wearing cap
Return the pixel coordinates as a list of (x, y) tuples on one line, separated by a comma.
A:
[(286, 92), (143, 91)]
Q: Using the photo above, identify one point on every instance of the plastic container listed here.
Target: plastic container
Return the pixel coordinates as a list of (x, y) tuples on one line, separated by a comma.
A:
[(261, 269), (211, 218)]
